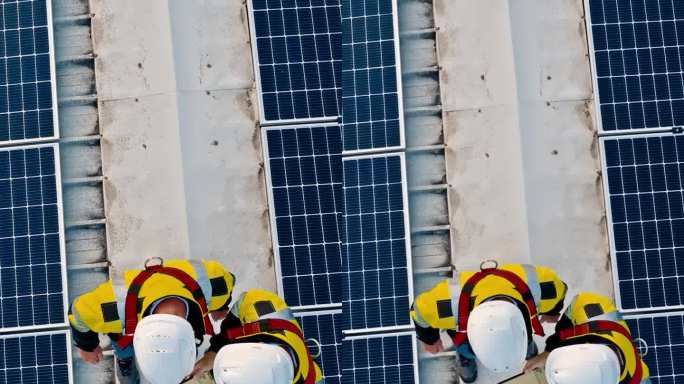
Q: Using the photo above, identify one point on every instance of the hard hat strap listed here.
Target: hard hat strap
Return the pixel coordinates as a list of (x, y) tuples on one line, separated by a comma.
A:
[(605, 326), (461, 336), (273, 325)]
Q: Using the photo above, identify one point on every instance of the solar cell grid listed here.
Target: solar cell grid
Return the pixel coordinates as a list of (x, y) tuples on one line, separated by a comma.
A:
[(644, 177), (36, 358), (638, 51), (26, 76), (298, 58), (305, 185), (664, 335), (371, 82), (31, 254), (324, 327), (377, 287), (378, 359)]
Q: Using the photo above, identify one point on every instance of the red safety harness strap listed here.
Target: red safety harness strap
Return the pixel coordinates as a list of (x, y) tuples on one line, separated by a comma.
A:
[(273, 325), (131, 306), (461, 336), (605, 326)]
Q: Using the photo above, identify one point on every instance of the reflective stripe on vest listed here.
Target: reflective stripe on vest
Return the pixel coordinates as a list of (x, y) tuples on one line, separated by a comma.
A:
[(120, 290), (461, 336), (533, 283), (606, 326), (274, 325), (202, 279)]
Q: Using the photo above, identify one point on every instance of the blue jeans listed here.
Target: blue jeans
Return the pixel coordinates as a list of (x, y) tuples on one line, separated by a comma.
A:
[(124, 366)]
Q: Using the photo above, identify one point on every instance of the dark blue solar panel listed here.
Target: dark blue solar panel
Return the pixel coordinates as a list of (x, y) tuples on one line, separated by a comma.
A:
[(664, 335), (298, 55), (325, 328), (371, 99), (35, 358), (638, 54), (305, 169), (31, 260), (376, 288), (644, 178), (26, 105), (379, 359)]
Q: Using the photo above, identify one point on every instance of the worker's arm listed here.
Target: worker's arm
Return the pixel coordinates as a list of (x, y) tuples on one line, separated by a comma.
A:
[(553, 291), (424, 331), (84, 319), (553, 341), (222, 284)]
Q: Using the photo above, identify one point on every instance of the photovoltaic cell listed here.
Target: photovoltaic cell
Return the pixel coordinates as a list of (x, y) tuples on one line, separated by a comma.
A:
[(377, 287), (304, 168), (379, 359), (298, 58), (32, 269), (644, 176), (326, 330), (664, 335), (639, 60), (371, 82), (36, 358), (26, 78)]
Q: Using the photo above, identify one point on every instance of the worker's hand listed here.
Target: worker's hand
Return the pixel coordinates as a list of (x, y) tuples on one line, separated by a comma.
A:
[(219, 315), (537, 362), (549, 318), (205, 364), (93, 357), (437, 347)]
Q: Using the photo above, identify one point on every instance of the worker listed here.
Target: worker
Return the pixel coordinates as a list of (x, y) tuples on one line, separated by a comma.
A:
[(260, 343), (592, 344), (490, 314), (153, 317)]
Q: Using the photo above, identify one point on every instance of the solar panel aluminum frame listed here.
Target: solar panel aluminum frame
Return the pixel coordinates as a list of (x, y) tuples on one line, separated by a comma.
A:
[(66, 333), (272, 216), (414, 345), (62, 247), (400, 94), (609, 222), (257, 78), (53, 87), (407, 236), (594, 81)]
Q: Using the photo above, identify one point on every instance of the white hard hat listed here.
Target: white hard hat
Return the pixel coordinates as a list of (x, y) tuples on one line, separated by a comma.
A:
[(583, 363), (164, 348), (498, 335), (253, 363)]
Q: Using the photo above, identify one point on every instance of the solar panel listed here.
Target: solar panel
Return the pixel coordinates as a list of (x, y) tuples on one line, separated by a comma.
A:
[(376, 249), (645, 203), (664, 335), (298, 58), (371, 76), (638, 62), (32, 272), (43, 357), (325, 328), (379, 359), (304, 172), (27, 91)]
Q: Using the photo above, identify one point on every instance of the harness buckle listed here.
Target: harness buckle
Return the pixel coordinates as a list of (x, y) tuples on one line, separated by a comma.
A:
[(317, 344), (150, 259), (642, 346), (484, 265)]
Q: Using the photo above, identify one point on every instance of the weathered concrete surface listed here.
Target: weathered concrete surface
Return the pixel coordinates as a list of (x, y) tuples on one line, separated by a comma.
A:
[(181, 152), (522, 156)]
